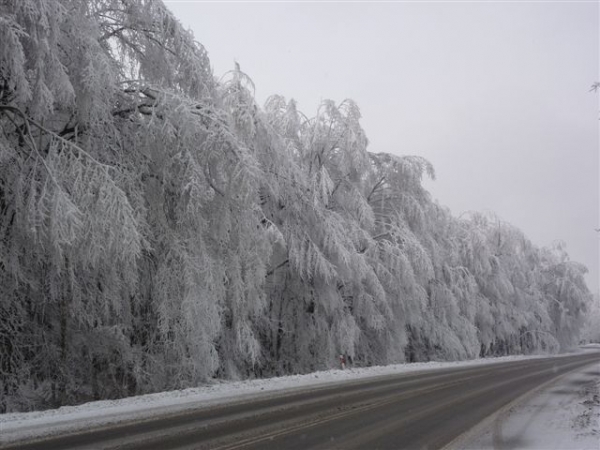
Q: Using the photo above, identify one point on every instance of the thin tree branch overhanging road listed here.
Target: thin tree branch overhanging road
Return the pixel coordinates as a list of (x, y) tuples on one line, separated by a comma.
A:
[(421, 410)]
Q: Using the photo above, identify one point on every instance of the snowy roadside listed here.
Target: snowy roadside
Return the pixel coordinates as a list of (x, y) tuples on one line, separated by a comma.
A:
[(562, 415), (38, 424)]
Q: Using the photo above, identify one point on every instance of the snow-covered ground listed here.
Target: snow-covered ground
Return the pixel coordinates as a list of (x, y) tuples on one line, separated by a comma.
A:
[(32, 425), (562, 415)]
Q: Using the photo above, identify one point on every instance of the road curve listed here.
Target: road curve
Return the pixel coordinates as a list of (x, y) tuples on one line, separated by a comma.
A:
[(409, 411)]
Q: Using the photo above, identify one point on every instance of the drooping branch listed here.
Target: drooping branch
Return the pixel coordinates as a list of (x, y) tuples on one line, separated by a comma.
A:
[(28, 121), (279, 266), (377, 185)]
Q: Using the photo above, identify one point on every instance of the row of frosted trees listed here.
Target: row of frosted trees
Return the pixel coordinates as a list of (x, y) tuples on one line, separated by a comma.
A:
[(159, 228)]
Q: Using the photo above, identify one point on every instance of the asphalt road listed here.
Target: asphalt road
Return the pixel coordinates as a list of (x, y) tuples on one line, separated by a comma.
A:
[(425, 410)]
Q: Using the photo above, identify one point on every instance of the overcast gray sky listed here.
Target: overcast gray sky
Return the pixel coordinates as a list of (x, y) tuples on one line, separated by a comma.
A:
[(494, 94)]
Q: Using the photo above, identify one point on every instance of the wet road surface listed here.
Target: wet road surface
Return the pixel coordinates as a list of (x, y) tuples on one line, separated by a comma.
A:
[(424, 410)]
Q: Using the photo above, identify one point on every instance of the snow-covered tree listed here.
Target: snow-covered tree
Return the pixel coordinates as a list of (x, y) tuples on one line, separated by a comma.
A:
[(158, 227), (591, 330)]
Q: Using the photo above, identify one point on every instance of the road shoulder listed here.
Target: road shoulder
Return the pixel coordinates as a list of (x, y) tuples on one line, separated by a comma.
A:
[(561, 415)]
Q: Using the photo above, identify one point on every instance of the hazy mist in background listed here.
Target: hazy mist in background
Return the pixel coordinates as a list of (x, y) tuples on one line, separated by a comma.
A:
[(495, 95)]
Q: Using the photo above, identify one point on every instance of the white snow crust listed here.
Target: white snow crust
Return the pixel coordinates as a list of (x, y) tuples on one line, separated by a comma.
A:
[(564, 415)]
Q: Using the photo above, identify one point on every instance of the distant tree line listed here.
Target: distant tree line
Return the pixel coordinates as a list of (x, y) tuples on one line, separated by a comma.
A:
[(159, 228)]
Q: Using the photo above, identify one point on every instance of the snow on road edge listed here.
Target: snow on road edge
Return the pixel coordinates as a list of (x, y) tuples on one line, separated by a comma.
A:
[(562, 414), (68, 419)]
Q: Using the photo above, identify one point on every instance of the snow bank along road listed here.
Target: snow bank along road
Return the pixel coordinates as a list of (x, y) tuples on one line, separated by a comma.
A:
[(415, 410)]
